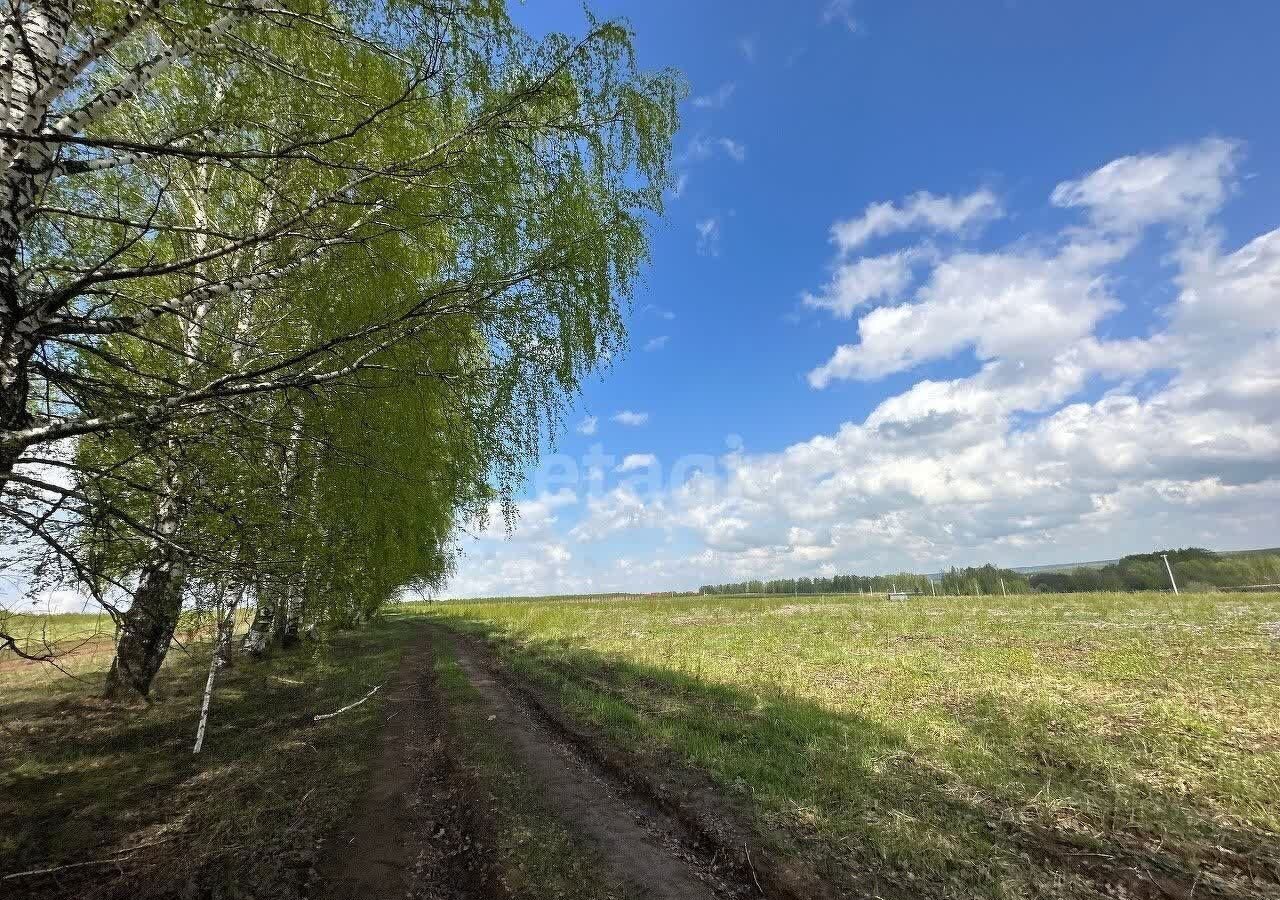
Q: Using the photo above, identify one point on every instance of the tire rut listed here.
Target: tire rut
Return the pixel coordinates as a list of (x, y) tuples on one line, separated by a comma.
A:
[(642, 846), (419, 832), (422, 831)]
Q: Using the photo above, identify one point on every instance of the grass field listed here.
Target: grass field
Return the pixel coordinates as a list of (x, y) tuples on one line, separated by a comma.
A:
[(1060, 746), (1070, 745), (82, 644), (117, 789), (83, 782)]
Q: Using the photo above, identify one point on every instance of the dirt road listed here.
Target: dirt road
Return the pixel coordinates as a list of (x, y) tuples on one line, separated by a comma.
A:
[(422, 831)]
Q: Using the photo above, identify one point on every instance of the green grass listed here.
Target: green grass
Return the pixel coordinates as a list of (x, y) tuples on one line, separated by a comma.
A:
[(81, 644), (82, 780), (1002, 747)]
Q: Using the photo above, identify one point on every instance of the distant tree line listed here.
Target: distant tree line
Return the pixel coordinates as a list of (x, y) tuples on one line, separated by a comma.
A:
[(983, 580), (835, 584), (1196, 569)]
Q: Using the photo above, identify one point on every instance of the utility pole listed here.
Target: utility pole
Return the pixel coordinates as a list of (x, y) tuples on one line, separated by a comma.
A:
[(1002, 590), (1168, 568)]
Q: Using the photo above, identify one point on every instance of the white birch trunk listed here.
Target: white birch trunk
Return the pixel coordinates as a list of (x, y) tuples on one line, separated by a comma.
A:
[(226, 624)]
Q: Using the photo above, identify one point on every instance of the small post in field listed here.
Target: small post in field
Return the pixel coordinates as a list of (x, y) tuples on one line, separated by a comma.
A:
[(1002, 590), (1169, 569)]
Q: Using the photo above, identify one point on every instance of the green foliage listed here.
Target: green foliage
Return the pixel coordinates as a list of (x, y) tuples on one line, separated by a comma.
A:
[(985, 579), (456, 215), (1194, 569)]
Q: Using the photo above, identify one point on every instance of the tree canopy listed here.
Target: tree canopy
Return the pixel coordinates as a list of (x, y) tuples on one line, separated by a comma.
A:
[(291, 291)]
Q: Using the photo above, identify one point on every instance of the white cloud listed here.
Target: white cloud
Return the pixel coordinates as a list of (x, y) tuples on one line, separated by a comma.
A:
[(534, 516), (1063, 443), (587, 426), (634, 461), (702, 147), (656, 343), (1022, 305), (922, 211), (747, 46), (1018, 305), (682, 183), (840, 12), (1185, 185), (866, 279), (631, 418), (717, 98), (736, 150), (708, 236), (621, 509), (18, 596), (658, 311)]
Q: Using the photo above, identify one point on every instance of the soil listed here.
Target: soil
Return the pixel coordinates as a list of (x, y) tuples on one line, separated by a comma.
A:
[(421, 830), (715, 828)]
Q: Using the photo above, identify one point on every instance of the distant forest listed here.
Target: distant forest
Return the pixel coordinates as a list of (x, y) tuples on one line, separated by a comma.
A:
[(1194, 568)]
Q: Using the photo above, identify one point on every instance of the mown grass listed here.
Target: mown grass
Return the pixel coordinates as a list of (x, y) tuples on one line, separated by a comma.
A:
[(84, 781), (995, 747)]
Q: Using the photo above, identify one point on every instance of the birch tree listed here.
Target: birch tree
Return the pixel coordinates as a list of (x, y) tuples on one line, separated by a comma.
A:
[(204, 206), (402, 118)]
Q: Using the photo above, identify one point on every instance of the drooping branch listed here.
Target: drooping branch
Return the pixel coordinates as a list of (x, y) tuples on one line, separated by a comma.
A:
[(282, 326), (145, 72)]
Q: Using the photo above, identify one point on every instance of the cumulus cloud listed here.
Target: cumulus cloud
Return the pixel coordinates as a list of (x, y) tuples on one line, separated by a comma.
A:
[(1016, 305), (864, 280), (656, 343), (1061, 444), (919, 212), (535, 517), (631, 418), (587, 426), (621, 509), (1184, 185)]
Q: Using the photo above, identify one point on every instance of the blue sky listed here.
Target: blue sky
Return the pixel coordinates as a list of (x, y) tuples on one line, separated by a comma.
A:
[(942, 283)]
